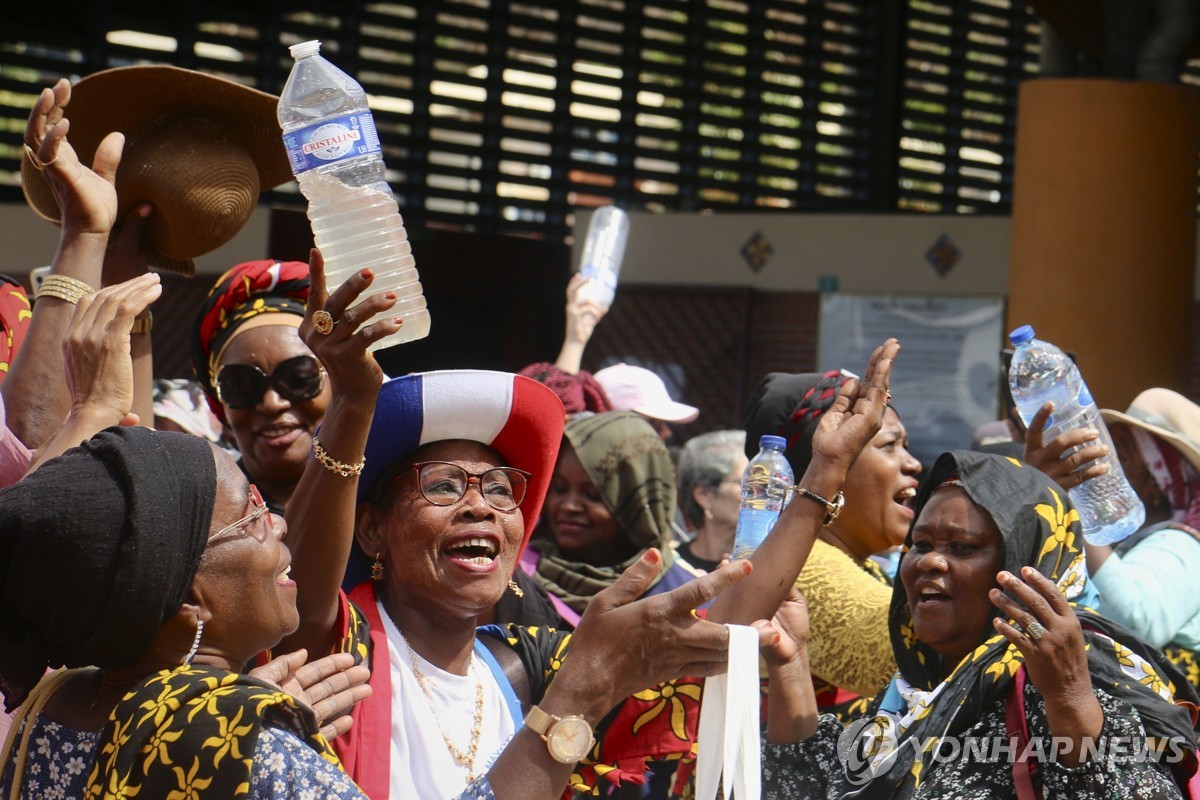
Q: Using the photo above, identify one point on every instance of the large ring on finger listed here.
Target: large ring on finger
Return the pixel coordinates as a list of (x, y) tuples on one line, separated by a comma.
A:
[(323, 322), (1034, 630)]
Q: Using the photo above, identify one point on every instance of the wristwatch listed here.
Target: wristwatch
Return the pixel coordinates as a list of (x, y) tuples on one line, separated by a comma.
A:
[(832, 507), (567, 738)]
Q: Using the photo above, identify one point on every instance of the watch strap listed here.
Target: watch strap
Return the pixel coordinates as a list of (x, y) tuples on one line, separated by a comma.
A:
[(539, 721)]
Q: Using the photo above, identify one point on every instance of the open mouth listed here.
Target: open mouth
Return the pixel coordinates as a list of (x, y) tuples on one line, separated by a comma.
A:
[(476, 550), (905, 496), (932, 596), (285, 576)]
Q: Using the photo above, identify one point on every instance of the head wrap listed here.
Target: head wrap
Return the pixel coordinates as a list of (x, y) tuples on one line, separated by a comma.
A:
[(1039, 528), (631, 469), (98, 548), (1178, 480), (240, 295), (790, 406), (578, 393), (15, 314)]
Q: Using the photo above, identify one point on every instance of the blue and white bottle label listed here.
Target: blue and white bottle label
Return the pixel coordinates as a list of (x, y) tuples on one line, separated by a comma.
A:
[(330, 141)]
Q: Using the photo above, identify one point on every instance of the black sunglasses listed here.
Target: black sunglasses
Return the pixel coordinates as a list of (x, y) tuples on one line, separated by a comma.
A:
[(243, 385)]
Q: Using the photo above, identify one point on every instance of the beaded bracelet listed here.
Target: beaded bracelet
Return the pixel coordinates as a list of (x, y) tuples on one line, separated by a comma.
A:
[(335, 466), (60, 286)]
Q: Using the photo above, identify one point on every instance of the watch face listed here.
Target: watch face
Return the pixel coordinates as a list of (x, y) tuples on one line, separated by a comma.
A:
[(569, 740)]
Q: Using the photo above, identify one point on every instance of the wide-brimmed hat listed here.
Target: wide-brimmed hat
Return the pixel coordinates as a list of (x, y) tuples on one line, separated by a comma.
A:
[(518, 417), (199, 148), (1168, 415), (637, 389)]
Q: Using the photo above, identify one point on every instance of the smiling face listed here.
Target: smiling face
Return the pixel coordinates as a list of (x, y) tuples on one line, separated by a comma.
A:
[(879, 487), (947, 573), (244, 573), (582, 525), (455, 559), (275, 436)]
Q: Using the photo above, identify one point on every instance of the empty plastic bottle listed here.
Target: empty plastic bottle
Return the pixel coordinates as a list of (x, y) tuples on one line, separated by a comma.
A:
[(765, 485), (603, 250), (335, 154), (1108, 507)]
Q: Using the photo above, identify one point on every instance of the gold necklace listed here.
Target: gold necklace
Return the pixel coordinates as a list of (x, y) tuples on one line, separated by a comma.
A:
[(467, 759)]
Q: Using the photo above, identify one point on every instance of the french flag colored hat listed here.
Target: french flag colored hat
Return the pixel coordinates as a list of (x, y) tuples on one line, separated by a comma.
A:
[(518, 417)]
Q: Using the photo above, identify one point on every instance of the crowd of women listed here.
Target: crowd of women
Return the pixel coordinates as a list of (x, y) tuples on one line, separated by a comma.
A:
[(473, 584)]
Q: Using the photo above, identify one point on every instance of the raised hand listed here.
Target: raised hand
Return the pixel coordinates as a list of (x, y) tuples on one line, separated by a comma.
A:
[(330, 686), (790, 629), (1077, 467), (87, 197), (342, 347), (1048, 634), (583, 314), (857, 413), (96, 349)]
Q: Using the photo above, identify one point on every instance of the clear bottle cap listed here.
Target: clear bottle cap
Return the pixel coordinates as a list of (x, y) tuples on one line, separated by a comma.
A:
[(305, 49)]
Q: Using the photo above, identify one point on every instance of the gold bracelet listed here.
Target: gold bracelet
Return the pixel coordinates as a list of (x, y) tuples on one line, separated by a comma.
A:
[(143, 324), (60, 286), (335, 466)]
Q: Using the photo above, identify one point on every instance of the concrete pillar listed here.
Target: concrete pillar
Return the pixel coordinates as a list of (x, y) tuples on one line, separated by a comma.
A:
[(1104, 228)]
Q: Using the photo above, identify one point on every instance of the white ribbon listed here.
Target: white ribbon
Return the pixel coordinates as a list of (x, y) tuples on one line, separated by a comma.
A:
[(729, 724)]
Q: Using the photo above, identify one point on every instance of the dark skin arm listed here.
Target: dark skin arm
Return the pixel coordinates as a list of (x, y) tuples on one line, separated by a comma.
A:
[(853, 420), (320, 515)]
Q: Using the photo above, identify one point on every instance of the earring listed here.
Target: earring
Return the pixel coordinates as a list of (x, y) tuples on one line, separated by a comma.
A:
[(708, 515), (517, 590), (377, 568), (195, 642)]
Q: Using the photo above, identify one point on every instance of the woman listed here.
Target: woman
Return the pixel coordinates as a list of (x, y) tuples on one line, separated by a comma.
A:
[(990, 647), (847, 593), (710, 478), (453, 469), (612, 496), (1146, 582), (258, 376), (183, 579)]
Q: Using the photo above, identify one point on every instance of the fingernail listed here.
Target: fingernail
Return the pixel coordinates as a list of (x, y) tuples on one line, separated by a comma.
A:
[(366, 273), (775, 639), (398, 321), (145, 210), (1004, 576), (651, 556), (747, 567), (390, 295), (1028, 572)]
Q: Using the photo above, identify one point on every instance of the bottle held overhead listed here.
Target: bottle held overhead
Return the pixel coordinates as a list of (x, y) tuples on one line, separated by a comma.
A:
[(335, 154), (603, 252), (766, 483), (1109, 509)]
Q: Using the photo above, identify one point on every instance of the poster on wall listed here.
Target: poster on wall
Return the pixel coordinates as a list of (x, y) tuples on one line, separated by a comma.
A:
[(947, 378)]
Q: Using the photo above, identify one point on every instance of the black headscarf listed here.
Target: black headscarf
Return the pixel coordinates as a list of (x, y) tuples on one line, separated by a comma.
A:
[(98, 548), (790, 406), (1039, 528)]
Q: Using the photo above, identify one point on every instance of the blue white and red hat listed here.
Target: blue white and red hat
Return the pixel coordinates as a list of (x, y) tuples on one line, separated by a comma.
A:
[(518, 417)]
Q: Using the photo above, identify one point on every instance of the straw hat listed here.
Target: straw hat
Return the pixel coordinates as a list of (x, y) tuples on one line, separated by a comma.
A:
[(1168, 415), (197, 147)]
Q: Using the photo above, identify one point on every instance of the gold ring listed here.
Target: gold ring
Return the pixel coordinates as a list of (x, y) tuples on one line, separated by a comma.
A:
[(37, 163), (323, 322)]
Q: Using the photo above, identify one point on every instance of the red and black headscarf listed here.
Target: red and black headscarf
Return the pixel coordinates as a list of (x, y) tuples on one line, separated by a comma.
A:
[(790, 406), (15, 313), (579, 393), (243, 293)]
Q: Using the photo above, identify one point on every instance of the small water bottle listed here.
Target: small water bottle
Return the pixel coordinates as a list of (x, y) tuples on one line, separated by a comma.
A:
[(335, 154), (765, 485), (603, 250), (1109, 509)]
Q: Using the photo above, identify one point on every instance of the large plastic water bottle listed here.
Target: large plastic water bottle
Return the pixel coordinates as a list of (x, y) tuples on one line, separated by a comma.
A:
[(1109, 509), (334, 150), (603, 251), (765, 485)]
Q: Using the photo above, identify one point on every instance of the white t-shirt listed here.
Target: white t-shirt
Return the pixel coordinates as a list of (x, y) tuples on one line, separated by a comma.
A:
[(421, 765)]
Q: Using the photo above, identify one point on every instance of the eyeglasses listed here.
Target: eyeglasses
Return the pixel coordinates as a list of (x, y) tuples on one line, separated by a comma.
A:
[(444, 484), (246, 525), (243, 385)]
